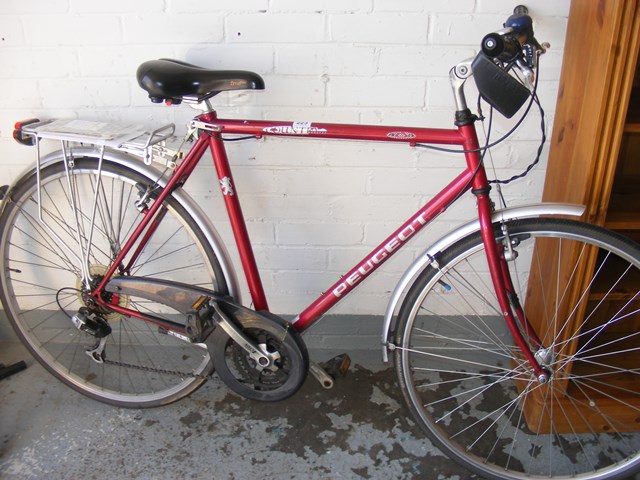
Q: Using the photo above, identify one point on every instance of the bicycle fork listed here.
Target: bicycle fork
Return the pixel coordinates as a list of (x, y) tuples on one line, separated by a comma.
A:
[(498, 255)]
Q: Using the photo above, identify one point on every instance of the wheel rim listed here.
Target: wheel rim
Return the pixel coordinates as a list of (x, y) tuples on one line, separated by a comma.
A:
[(146, 366), (475, 396)]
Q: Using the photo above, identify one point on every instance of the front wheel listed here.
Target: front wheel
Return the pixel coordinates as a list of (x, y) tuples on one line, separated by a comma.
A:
[(474, 394), (83, 214)]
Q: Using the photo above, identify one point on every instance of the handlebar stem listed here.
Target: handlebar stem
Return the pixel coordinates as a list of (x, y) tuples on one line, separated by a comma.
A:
[(458, 76)]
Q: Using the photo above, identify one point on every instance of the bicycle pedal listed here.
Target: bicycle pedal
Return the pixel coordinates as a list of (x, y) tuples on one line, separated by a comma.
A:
[(337, 366)]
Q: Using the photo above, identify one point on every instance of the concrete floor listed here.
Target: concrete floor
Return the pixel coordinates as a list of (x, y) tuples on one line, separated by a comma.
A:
[(360, 429)]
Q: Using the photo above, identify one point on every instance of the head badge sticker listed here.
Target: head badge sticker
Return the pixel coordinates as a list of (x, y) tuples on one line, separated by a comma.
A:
[(296, 128)]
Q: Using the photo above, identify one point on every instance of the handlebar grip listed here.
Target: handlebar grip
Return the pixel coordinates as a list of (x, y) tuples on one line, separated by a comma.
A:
[(503, 47), (522, 25)]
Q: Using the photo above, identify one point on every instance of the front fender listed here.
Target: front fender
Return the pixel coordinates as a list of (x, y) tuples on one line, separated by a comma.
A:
[(449, 239), (136, 164)]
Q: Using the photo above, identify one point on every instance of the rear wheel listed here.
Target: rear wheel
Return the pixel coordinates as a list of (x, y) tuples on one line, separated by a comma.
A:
[(469, 386), (89, 214)]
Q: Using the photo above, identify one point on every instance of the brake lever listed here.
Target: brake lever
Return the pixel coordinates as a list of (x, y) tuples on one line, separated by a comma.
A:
[(532, 52), (528, 73)]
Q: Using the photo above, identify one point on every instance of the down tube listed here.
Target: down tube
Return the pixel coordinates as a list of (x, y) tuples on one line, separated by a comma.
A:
[(383, 252)]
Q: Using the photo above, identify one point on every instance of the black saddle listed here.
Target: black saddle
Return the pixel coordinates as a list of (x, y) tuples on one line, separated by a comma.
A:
[(171, 80)]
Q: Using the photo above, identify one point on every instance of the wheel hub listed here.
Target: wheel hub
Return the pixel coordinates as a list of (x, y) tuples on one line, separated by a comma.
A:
[(545, 357)]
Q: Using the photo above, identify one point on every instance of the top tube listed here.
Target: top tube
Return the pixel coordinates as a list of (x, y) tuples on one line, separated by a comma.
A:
[(258, 128)]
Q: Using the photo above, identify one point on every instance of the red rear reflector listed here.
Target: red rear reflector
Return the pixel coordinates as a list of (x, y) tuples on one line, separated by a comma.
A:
[(19, 136)]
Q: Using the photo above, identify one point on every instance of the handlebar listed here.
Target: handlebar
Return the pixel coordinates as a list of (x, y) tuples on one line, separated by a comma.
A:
[(521, 24), (513, 47), (516, 41), (501, 46)]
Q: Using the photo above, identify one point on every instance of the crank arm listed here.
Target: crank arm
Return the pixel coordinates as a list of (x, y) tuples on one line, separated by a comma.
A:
[(263, 359), (321, 375)]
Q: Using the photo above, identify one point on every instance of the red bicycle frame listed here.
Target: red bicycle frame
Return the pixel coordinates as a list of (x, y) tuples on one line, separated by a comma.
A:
[(211, 130)]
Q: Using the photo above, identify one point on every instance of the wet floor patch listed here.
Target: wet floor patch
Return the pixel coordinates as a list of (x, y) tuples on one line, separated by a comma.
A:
[(359, 429)]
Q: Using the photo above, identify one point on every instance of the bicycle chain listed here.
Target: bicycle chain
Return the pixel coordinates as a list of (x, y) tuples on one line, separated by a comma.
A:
[(169, 372), (157, 370)]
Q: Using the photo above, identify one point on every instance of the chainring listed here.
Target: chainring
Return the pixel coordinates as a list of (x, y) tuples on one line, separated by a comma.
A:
[(273, 335), (262, 379)]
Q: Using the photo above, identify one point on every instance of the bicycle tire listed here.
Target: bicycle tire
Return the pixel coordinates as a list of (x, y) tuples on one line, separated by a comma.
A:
[(476, 397), (41, 287)]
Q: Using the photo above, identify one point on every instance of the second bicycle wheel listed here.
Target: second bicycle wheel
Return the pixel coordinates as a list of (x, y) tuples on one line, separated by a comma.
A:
[(468, 384), (85, 216)]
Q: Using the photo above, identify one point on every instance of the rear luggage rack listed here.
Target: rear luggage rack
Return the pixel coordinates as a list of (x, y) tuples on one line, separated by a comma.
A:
[(131, 138)]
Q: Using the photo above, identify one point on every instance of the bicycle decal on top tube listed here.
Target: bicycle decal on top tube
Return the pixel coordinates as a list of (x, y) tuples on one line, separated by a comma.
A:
[(296, 128)]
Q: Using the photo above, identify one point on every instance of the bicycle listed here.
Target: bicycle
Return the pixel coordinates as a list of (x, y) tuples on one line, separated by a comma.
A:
[(120, 286)]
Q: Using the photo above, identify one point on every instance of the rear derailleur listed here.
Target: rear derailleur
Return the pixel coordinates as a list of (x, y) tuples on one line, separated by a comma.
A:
[(95, 326)]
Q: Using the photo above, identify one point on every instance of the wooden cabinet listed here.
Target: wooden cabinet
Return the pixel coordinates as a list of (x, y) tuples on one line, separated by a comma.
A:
[(594, 160), (624, 202)]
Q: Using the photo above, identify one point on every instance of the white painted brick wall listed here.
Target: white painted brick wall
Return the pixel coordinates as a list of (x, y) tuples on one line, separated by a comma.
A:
[(314, 208)]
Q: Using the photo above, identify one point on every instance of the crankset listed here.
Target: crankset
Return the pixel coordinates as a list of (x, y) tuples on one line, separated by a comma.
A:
[(256, 354)]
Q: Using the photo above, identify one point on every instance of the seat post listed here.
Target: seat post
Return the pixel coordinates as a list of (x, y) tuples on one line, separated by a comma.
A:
[(203, 106)]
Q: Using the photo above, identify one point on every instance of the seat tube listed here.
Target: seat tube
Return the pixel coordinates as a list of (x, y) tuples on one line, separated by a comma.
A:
[(238, 225)]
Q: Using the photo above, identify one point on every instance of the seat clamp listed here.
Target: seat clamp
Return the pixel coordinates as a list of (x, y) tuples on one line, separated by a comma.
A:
[(208, 127)]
